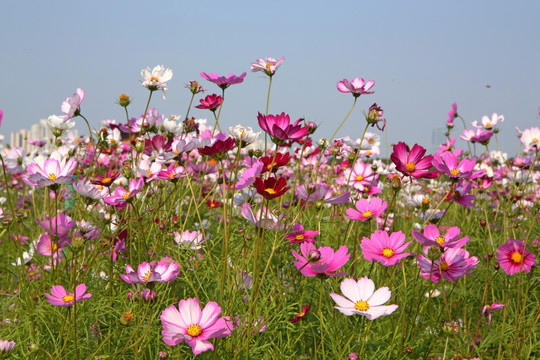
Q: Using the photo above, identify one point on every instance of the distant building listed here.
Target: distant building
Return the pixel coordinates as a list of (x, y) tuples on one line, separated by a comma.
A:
[(437, 138), (38, 131)]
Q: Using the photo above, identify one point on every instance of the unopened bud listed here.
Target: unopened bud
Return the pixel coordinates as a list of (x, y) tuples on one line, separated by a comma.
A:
[(163, 355), (483, 223), (77, 243), (139, 146), (124, 100), (314, 256), (434, 253), (127, 318)]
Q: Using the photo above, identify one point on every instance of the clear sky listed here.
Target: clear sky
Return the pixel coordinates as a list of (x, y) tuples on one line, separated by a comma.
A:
[(423, 56)]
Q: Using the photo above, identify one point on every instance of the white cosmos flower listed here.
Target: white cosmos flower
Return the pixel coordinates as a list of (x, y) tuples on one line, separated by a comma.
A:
[(59, 124), (244, 134), (156, 78)]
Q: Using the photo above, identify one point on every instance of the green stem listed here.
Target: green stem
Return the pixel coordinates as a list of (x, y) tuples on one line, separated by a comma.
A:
[(343, 122)]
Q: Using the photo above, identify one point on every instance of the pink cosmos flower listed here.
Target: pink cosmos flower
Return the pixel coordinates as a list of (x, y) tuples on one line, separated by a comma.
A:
[(50, 172), (460, 194), (452, 114), (58, 226), (210, 102), (162, 271), (60, 297), (47, 247), (321, 261), (366, 209), (447, 163), (480, 136), (264, 218), (490, 308), (360, 176), (388, 250), (488, 123), (453, 264), (514, 257), (280, 129), (300, 235), (121, 196), (357, 86), (433, 237), (222, 81), (412, 163), (188, 323), (192, 240), (71, 106), (362, 299), (249, 175), (268, 65), (5, 345)]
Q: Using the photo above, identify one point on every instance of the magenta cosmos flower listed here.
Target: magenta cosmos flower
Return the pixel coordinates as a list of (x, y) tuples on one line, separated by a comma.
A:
[(433, 237), (222, 81), (412, 163), (357, 86), (121, 196), (58, 226), (210, 102), (298, 234), (71, 106), (50, 172), (447, 163), (188, 323), (388, 250), (280, 129), (321, 261), (453, 264), (162, 271), (514, 257), (60, 297), (366, 209), (268, 65), (362, 299), (490, 308), (48, 247)]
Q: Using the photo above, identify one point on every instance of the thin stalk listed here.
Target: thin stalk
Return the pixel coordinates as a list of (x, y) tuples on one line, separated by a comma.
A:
[(343, 122)]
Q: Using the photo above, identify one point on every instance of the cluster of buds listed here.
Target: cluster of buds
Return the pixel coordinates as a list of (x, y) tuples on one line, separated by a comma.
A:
[(194, 87), (374, 116)]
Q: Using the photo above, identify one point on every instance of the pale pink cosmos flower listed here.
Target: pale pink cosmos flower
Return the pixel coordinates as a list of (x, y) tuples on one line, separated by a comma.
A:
[(362, 299), (162, 271), (530, 138), (121, 196), (488, 123), (50, 171), (46, 246), (366, 209), (156, 78), (384, 248), (60, 297), (222, 81), (357, 86), (360, 176), (321, 261), (447, 163), (263, 218), (195, 326), (71, 106), (453, 264), (433, 237), (268, 65), (5, 345), (192, 240), (514, 257), (490, 308)]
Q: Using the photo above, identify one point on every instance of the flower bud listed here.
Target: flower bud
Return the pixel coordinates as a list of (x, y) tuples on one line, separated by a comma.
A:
[(163, 355), (124, 100), (77, 242), (314, 256), (434, 253), (139, 146), (127, 318)]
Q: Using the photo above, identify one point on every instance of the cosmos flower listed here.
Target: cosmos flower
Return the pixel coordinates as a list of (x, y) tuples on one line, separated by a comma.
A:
[(195, 326), (222, 81), (51, 171), (156, 78), (280, 129), (121, 196), (412, 163), (268, 65), (447, 163), (272, 187), (362, 299), (321, 261), (301, 315), (58, 226), (162, 271), (453, 264), (210, 102), (71, 106), (192, 240), (514, 257), (433, 237), (490, 308), (264, 218), (5, 345), (357, 86), (366, 209), (300, 235), (384, 248), (60, 297)]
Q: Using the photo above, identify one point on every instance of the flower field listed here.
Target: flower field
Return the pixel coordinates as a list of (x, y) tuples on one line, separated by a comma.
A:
[(159, 237)]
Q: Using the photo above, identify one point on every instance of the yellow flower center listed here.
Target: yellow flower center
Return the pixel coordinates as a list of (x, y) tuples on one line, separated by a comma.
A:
[(52, 177), (171, 175), (126, 195), (271, 165), (370, 141), (301, 314), (410, 167), (106, 180), (124, 97), (534, 140), (68, 298), (299, 237), (516, 257), (361, 305), (147, 276), (488, 124), (388, 253), (267, 66), (359, 178), (367, 214), (440, 240), (243, 133), (454, 172), (54, 247), (149, 173), (153, 78), (194, 330), (443, 265), (425, 201), (270, 191)]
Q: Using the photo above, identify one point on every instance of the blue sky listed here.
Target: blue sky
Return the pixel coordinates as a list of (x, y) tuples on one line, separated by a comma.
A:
[(423, 56)]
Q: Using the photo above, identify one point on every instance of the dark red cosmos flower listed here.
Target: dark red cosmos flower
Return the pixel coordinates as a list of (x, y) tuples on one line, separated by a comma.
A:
[(272, 164), (301, 315), (211, 102), (218, 148), (106, 180), (212, 204), (280, 129), (413, 163), (271, 188)]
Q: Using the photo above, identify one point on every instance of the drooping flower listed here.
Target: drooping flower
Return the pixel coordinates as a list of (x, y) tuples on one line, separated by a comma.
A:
[(210, 102), (264, 218), (384, 248), (188, 323), (452, 114), (357, 86), (433, 237), (366, 209), (60, 297), (514, 257), (272, 187), (268, 65), (321, 261), (412, 163), (362, 299), (301, 315), (453, 264), (59, 124), (71, 106), (162, 271), (156, 78), (222, 81), (490, 308), (280, 129)]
